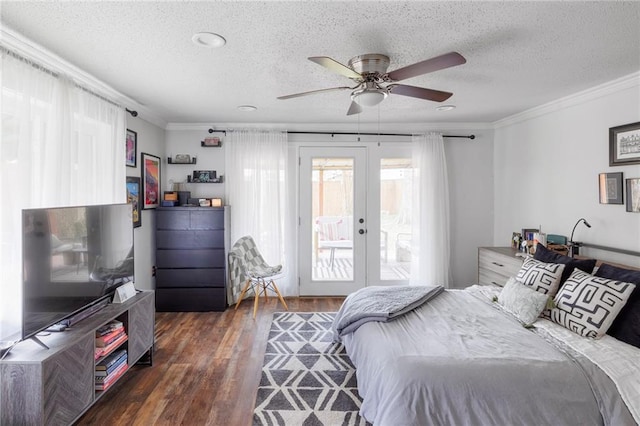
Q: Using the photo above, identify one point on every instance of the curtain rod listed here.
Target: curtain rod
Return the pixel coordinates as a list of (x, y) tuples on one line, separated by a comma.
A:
[(358, 134), (55, 74)]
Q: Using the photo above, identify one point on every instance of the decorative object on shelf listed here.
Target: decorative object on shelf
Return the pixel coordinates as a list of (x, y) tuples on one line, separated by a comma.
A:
[(150, 180), (610, 185), (516, 239), (182, 159), (132, 148), (211, 142), (124, 293), (574, 246), (203, 176), (170, 196), (216, 202), (204, 202), (133, 198), (633, 195), (624, 144)]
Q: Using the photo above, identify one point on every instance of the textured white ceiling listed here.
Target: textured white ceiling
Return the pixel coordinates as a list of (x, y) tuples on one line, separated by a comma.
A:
[(519, 54)]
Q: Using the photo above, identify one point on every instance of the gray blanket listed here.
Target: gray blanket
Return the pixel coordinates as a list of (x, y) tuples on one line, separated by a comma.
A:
[(381, 304)]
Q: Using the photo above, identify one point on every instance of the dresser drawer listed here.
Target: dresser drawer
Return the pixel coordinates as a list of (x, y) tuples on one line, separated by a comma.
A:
[(206, 277), (181, 239), (496, 265), (190, 299), (204, 258)]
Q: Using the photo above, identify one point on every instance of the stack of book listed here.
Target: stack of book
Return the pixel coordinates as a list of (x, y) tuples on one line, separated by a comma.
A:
[(109, 337), (110, 369)]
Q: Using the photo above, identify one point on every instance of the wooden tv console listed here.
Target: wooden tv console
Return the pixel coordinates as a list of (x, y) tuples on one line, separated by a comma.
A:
[(56, 386)]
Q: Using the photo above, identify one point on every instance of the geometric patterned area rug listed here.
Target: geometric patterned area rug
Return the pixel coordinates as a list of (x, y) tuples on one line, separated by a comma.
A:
[(306, 378)]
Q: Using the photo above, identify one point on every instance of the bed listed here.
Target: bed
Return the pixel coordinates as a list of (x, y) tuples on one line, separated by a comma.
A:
[(467, 357)]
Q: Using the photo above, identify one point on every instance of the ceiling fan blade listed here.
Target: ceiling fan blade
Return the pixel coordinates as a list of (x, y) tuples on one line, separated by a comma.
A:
[(434, 64), (313, 92), (419, 92), (336, 66), (354, 108)]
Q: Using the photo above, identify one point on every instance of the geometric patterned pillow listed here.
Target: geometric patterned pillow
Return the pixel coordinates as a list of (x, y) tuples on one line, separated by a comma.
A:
[(587, 305), (543, 277)]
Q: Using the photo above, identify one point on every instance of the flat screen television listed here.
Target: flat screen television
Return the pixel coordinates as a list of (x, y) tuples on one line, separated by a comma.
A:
[(73, 258)]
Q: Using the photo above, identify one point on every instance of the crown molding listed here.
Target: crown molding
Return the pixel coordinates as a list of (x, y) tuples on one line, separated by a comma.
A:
[(623, 83), (27, 48)]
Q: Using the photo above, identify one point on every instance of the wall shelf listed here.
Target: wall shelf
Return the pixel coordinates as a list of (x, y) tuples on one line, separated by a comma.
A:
[(171, 160)]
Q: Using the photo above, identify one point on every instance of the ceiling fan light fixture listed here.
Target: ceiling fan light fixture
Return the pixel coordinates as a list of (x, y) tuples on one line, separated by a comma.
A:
[(208, 40), (369, 97), (247, 108), (445, 108)]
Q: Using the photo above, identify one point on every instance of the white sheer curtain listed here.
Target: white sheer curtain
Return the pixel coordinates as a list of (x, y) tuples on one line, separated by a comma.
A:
[(61, 146), (256, 177), (430, 218)]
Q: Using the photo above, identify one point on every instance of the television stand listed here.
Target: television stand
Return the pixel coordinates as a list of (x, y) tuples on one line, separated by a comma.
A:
[(57, 386)]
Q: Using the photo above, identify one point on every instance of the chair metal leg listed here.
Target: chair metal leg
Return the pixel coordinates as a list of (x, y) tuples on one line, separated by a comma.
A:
[(275, 287), (244, 290)]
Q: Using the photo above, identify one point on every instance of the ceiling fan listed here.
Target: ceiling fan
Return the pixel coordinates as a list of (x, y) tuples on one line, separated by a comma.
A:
[(370, 72)]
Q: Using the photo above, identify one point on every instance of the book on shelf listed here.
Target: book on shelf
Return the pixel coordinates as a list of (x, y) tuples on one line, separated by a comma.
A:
[(105, 350), (103, 341), (109, 368), (109, 327), (111, 378), (110, 360)]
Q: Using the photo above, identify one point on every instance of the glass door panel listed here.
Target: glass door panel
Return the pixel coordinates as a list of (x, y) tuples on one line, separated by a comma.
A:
[(332, 220)]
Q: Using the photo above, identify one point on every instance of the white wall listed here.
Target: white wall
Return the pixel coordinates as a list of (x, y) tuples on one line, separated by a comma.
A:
[(187, 141), (547, 163), (151, 140), (470, 167)]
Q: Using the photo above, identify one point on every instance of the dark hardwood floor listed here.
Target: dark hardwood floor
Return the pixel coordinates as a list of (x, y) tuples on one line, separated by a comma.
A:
[(206, 368)]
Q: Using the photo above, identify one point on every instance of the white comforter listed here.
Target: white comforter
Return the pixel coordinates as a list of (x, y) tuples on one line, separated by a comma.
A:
[(459, 360)]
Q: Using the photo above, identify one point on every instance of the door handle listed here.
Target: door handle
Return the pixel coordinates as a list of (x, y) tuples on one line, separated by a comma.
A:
[(361, 231)]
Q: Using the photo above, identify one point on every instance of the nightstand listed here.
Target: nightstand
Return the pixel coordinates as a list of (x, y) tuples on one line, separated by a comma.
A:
[(497, 264)]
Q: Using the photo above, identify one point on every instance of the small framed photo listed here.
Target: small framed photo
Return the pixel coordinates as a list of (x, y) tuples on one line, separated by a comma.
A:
[(150, 180), (624, 144), (610, 188), (633, 195), (133, 198), (132, 148), (211, 142)]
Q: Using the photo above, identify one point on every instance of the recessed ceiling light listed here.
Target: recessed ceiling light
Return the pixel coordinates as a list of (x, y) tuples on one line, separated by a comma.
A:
[(247, 108), (210, 40), (445, 108)]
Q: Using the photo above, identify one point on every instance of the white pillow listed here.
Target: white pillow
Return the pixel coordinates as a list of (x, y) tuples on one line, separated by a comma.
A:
[(522, 301), (543, 277), (587, 305)]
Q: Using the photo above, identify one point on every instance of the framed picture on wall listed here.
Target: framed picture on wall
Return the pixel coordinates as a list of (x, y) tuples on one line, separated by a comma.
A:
[(610, 188), (132, 148), (150, 180), (633, 195), (133, 198), (624, 144)]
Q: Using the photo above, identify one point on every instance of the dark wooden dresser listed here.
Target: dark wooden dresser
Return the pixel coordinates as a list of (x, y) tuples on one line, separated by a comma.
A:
[(190, 259)]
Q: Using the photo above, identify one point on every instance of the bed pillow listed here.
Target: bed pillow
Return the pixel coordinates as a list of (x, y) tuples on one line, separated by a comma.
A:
[(543, 254), (588, 305), (522, 301), (626, 326), (543, 277)]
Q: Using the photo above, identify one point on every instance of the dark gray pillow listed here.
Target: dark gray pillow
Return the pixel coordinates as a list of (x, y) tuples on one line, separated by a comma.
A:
[(543, 254), (626, 326)]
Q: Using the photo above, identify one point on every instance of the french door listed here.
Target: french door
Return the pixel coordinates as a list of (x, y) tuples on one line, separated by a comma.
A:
[(355, 207)]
